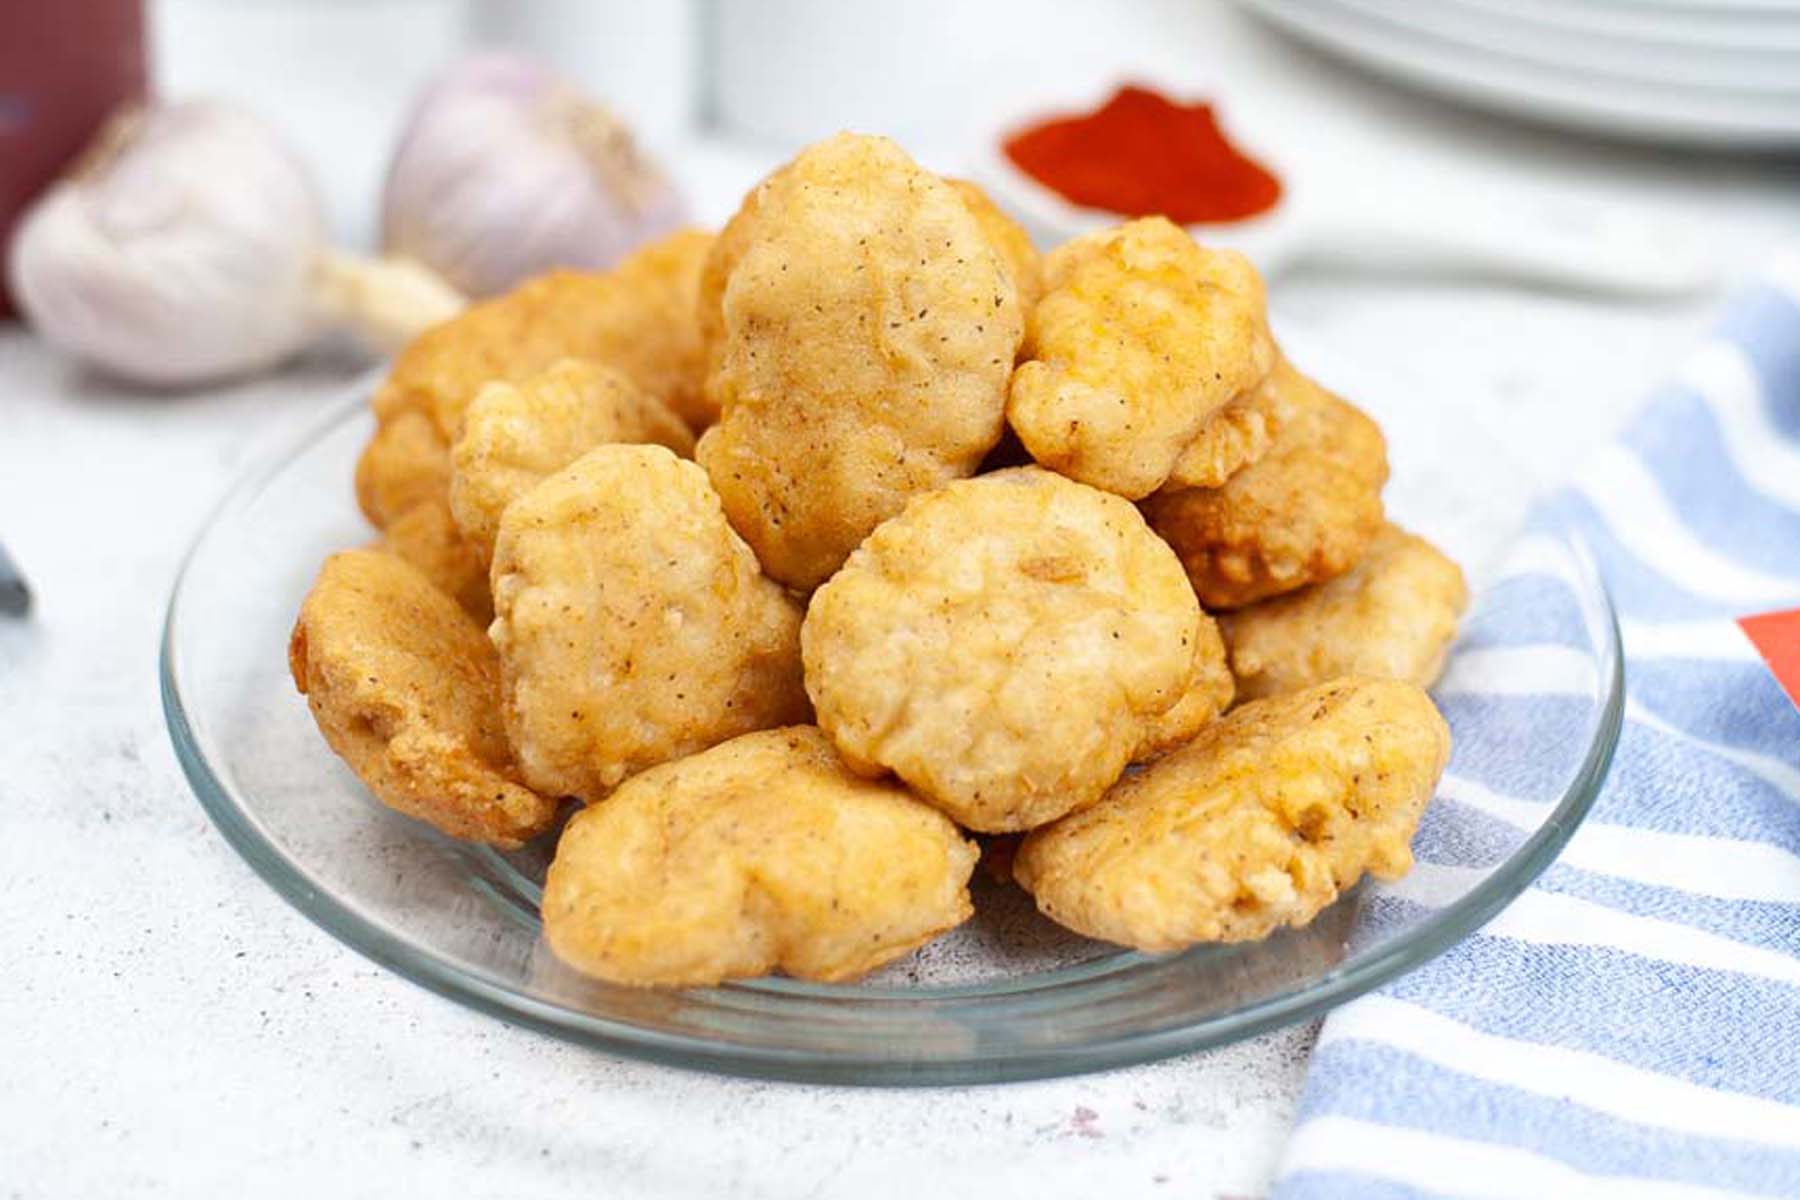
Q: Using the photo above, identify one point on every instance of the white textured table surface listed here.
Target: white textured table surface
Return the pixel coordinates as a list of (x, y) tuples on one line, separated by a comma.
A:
[(169, 1026)]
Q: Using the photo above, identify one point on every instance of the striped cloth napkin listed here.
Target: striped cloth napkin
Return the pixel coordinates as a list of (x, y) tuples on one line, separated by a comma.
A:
[(1630, 1026)]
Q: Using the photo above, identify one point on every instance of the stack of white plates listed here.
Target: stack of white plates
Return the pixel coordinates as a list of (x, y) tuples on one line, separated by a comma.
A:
[(1717, 72)]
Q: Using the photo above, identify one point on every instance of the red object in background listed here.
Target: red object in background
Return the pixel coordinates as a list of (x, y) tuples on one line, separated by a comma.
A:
[(1141, 154), (1776, 637), (65, 65)]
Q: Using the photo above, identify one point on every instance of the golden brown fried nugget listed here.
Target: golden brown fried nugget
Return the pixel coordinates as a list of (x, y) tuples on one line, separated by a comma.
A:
[(1140, 338), (516, 435), (758, 855), (1259, 822), (405, 688), (657, 339), (637, 317), (1302, 514), (1002, 645), (1010, 240), (1235, 436), (633, 625), (1392, 616), (405, 464), (715, 272), (1004, 234), (427, 537), (869, 329), (1209, 693)]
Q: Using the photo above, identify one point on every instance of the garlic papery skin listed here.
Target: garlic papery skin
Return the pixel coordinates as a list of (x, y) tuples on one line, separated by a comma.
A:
[(506, 171), (180, 249)]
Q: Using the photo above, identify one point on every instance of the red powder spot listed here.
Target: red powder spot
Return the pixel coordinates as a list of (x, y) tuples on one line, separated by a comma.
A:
[(1141, 154), (1083, 1122)]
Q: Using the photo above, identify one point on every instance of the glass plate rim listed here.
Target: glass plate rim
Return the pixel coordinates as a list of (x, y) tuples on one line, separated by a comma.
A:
[(1432, 937)]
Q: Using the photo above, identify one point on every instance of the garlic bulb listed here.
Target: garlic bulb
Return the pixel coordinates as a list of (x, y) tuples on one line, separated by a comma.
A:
[(506, 170), (188, 244)]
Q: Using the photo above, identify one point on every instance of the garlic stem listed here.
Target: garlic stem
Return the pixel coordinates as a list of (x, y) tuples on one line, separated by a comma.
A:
[(385, 301)]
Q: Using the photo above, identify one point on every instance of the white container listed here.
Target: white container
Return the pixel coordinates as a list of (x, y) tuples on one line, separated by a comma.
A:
[(931, 73), (639, 57)]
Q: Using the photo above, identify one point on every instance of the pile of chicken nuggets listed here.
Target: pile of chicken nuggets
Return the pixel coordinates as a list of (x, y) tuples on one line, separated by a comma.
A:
[(798, 554)]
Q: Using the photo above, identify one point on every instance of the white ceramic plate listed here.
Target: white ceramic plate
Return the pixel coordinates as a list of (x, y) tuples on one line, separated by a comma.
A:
[(1658, 25), (1768, 70), (1662, 112)]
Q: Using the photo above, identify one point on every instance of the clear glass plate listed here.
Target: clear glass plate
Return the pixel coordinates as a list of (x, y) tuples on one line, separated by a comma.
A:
[(1007, 996)]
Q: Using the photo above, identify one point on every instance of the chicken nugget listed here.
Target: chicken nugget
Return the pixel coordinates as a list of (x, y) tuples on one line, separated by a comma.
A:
[(516, 435), (761, 854), (428, 538), (405, 688), (405, 464), (869, 330), (1235, 436), (715, 272), (1259, 822), (1209, 693), (1391, 616), (1010, 240), (652, 333), (637, 317), (633, 625), (1003, 646), (1004, 234), (1302, 514), (1140, 338)]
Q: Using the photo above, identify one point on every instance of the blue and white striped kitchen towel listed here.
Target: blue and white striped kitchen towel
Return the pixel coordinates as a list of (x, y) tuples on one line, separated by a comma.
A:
[(1630, 1026)]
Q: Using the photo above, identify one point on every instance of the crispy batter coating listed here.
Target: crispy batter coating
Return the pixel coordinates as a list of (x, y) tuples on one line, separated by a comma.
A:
[(1009, 238), (1209, 693), (1002, 646), (405, 688), (637, 317), (1141, 337), (1259, 822), (1303, 514), (1004, 234), (656, 340), (516, 435), (405, 464), (427, 537), (758, 855), (715, 272), (869, 329), (633, 625), (1393, 616), (1235, 436)]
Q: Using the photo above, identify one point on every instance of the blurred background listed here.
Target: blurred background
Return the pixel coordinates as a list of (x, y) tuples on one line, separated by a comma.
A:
[(1351, 82)]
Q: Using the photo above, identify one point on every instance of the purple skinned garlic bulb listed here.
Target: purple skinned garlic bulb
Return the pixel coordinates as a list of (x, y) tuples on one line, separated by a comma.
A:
[(506, 170)]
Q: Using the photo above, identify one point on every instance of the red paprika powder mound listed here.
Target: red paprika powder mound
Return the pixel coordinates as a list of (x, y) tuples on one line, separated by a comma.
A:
[(1141, 154)]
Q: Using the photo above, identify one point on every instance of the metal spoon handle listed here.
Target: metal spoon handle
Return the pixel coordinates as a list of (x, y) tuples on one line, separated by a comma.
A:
[(15, 595)]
